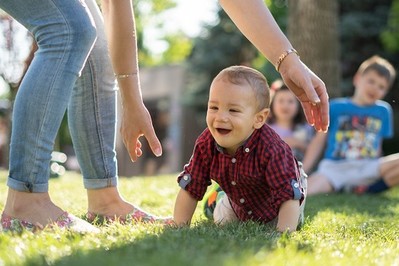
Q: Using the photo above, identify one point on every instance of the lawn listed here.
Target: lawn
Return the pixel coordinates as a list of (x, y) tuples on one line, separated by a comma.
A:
[(339, 230)]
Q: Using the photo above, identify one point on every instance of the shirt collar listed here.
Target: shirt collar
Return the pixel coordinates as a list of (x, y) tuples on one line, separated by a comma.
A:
[(248, 145)]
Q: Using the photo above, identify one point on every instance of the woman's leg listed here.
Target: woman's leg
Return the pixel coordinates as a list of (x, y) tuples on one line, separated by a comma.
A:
[(92, 121), (65, 33)]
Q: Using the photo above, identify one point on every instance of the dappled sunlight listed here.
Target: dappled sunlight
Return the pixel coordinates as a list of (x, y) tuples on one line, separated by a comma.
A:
[(339, 229)]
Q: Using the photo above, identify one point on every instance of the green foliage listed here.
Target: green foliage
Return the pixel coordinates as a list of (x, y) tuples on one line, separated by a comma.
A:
[(361, 23), (147, 12), (339, 230), (179, 48), (390, 37)]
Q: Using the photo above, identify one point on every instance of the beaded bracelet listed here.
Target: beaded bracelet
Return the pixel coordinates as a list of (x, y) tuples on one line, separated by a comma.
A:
[(283, 56), (123, 76)]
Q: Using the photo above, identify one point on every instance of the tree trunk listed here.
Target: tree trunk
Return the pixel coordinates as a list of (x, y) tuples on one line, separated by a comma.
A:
[(313, 31)]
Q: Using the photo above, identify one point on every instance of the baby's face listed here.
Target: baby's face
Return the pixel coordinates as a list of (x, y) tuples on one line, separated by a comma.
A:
[(231, 113), (370, 87)]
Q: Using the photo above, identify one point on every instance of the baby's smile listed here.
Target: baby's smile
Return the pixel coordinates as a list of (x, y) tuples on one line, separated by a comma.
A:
[(223, 131)]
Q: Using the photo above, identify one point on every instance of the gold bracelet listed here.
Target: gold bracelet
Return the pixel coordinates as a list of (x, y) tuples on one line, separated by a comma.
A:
[(283, 56), (123, 76)]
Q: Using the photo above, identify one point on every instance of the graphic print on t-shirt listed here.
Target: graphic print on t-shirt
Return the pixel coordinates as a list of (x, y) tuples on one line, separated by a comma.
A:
[(357, 137)]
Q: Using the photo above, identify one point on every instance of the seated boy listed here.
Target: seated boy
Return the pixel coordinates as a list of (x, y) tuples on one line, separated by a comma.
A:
[(352, 159), (257, 171)]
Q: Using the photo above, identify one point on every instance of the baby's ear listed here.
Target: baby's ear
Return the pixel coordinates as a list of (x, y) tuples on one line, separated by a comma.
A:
[(260, 118)]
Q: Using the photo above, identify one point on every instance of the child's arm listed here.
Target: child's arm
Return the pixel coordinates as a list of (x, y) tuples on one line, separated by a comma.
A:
[(314, 150), (184, 208), (288, 216), (295, 143)]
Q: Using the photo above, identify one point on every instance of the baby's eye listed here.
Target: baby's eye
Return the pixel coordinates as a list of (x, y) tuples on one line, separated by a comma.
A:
[(234, 110), (211, 107)]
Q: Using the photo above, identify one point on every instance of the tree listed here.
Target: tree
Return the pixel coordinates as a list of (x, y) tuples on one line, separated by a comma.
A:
[(313, 31)]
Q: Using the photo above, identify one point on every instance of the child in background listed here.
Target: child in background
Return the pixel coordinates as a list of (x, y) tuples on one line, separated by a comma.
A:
[(287, 119), (352, 160), (260, 178)]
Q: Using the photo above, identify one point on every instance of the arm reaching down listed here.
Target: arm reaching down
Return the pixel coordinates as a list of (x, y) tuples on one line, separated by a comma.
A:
[(136, 120), (255, 21)]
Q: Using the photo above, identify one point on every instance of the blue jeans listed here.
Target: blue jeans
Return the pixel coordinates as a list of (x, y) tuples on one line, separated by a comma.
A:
[(67, 73)]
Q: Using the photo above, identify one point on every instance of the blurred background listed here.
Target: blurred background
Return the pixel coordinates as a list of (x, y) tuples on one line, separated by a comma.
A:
[(184, 44)]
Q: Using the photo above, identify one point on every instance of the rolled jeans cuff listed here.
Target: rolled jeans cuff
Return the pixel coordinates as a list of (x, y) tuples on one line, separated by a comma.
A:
[(26, 186), (99, 183)]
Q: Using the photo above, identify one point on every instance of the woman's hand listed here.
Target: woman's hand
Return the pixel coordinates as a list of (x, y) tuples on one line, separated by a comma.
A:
[(309, 89), (136, 122)]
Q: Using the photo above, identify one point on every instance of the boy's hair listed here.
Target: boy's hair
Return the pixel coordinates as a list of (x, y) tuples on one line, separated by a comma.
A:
[(379, 65), (242, 74)]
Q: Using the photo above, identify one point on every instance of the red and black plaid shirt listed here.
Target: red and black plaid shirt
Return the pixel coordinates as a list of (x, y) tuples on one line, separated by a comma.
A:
[(257, 179)]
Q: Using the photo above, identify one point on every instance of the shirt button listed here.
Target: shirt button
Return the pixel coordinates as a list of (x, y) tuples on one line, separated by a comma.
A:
[(234, 160), (242, 200), (246, 149), (185, 177), (233, 183), (296, 185), (250, 212)]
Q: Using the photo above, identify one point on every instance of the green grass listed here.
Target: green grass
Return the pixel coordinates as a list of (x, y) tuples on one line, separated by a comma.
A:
[(338, 230)]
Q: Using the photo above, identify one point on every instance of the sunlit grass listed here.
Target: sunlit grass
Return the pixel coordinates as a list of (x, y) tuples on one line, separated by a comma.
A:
[(338, 230)]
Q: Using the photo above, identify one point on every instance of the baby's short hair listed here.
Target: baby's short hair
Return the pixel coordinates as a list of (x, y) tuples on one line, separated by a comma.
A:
[(255, 79), (381, 66)]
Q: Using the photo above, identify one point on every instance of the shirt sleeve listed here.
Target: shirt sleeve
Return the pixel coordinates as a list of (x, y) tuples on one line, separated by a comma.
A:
[(282, 175), (387, 122), (195, 177)]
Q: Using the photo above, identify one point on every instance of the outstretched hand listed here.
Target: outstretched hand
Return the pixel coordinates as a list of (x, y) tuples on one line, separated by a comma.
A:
[(309, 89), (137, 123)]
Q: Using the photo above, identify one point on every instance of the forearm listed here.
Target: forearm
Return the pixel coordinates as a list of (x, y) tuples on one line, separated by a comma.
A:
[(313, 151), (122, 44), (256, 22), (295, 143), (184, 208), (288, 216)]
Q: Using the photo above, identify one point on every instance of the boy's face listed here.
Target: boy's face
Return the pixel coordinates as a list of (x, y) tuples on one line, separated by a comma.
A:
[(232, 114), (370, 87)]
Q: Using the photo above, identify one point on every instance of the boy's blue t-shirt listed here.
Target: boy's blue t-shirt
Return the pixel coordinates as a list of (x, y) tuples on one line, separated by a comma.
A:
[(356, 132)]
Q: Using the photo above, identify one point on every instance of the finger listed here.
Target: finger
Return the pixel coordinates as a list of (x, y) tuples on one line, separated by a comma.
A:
[(138, 144), (325, 112), (310, 87), (317, 116), (132, 144), (307, 109), (139, 152), (154, 142), (132, 150), (321, 110)]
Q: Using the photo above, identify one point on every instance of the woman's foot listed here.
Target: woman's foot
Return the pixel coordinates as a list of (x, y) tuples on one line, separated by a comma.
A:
[(36, 208), (36, 211), (106, 205)]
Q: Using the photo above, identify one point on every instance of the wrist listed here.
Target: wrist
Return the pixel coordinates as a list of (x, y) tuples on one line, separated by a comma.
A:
[(287, 55)]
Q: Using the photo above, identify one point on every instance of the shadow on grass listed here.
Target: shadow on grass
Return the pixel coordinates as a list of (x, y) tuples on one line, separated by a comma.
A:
[(233, 244), (203, 244)]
